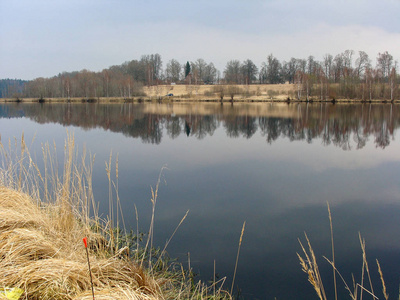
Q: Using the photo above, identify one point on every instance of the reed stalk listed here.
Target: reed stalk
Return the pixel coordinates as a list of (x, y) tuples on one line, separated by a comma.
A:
[(309, 266), (333, 250), (237, 256), (384, 292)]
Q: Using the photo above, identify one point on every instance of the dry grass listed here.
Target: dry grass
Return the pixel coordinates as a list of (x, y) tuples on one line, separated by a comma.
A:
[(237, 256), (200, 92), (309, 265), (49, 263), (43, 218)]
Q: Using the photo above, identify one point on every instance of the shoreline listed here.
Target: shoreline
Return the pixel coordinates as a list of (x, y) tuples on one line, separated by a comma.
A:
[(256, 93), (178, 99)]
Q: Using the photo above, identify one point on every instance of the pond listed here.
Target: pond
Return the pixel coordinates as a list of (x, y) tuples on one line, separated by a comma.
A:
[(275, 166)]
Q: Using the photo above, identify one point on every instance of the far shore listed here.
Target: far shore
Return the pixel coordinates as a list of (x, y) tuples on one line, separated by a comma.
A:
[(142, 99), (268, 93)]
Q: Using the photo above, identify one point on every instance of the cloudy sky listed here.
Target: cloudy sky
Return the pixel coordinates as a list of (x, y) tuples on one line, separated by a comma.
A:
[(42, 38)]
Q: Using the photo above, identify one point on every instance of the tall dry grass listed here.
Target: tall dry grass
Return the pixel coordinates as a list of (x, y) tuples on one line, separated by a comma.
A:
[(45, 211), (356, 289)]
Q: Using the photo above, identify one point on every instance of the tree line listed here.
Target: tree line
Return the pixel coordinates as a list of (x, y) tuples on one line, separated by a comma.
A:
[(11, 87), (346, 75)]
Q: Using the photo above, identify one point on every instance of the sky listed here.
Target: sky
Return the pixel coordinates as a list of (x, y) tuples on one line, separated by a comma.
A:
[(43, 38)]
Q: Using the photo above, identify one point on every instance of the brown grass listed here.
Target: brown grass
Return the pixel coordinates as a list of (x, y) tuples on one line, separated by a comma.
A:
[(309, 265), (202, 92), (41, 245), (237, 256), (49, 263)]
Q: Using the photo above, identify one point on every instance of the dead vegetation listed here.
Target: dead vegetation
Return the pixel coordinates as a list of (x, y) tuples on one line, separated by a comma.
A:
[(256, 92), (49, 263), (356, 289), (43, 219)]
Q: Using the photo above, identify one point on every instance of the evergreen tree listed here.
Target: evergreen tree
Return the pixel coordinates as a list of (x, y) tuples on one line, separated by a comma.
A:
[(187, 69)]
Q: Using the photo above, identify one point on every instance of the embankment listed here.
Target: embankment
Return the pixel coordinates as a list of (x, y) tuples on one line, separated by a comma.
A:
[(213, 93)]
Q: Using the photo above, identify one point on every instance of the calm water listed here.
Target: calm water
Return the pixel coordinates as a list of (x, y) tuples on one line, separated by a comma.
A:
[(273, 166)]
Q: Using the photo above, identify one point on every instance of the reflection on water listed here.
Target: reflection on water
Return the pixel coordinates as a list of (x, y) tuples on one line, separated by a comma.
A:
[(274, 166), (345, 126)]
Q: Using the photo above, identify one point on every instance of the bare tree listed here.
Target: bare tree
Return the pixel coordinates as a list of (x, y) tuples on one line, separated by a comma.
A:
[(311, 65), (289, 70), (157, 66), (393, 83), (323, 82), (152, 65), (138, 70), (173, 70), (384, 63), (249, 71), (362, 62), (203, 72), (274, 70), (232, 72), (338, 66), (67, 86), (210, 74), (263, 73), (301, 65), (298, 80), (347, 86), (106, 82), (369, 81), (327, 63), (348, 60), (200, 65)]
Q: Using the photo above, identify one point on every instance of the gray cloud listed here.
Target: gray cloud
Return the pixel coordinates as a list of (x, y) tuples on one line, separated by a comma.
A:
[(43, 38)]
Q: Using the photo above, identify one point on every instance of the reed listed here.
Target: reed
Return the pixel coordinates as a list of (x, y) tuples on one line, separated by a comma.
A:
[(44, 214), (237, 256), (333, 250), (384, 292), (309, 265)]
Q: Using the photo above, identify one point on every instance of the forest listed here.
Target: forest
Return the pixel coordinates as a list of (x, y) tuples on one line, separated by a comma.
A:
[(12, 87), (347, 75)]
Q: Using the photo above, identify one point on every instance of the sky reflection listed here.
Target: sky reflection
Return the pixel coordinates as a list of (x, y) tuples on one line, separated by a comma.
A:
[(280, 188)]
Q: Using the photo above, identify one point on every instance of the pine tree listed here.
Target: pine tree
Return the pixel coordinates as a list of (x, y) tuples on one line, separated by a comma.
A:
[(187, 69)]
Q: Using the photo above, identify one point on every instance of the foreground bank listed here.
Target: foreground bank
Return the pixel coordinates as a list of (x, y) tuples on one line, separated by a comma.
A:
[(43, 220)]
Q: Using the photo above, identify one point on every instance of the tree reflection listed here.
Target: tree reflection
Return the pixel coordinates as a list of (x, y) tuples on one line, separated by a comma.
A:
[(270, 128), (382, 139), (187, 128), (231, 127), (203, 126), (173, 126), (345, 126), (360, 138)]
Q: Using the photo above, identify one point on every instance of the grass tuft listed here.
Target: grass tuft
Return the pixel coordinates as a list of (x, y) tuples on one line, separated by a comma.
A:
[(309, 266)]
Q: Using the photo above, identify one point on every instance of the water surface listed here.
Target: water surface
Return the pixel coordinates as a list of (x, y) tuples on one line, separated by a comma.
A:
[(273, 166)]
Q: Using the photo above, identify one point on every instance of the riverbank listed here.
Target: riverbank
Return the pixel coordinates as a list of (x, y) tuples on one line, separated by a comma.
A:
[(43, 255), (269, 93), (43, 220)]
